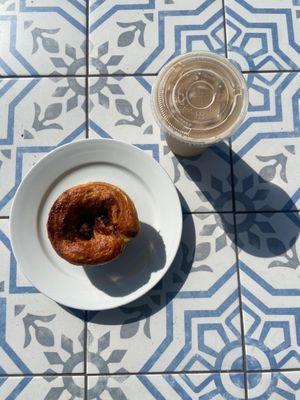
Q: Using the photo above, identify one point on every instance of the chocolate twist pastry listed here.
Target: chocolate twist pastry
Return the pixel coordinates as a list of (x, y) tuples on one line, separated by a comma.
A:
[(90, 224)]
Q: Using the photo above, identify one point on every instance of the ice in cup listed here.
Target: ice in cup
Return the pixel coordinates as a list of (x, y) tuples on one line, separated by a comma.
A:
[(198, 99)]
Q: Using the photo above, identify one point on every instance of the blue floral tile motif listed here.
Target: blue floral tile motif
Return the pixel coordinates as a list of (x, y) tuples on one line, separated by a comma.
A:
[(266, 147), (195, 307), (141, 36), (240, 199), (38, 38), (269, 265), (273, 385), (43, 388), (37, 114), (175, 387), (263, 35), (36, 334), (119, 108)]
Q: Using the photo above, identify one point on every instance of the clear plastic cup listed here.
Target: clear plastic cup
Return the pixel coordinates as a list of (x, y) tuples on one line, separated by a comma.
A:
[(198, 99)]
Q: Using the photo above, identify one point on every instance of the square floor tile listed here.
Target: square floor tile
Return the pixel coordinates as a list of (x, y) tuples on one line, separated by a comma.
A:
[(42, 37), (36, 115), (141, 36), (263, 35), (269, 247), (36, 334), (266, 148), (47, 388), (167, 386), (189, 322), (120, 109), (274, 385)]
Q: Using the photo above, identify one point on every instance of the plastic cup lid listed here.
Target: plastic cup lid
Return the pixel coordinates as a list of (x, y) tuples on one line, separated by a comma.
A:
[(199, 96)]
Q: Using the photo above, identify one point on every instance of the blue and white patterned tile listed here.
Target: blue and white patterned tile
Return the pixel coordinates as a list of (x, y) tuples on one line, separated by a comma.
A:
[(167, 386), (143, 35), (36, 115), (36, 334), (269, 247), (274, 385), (120, 109), (189, 322), (263, 36), (42, 388), (42, 37), (267, 146)]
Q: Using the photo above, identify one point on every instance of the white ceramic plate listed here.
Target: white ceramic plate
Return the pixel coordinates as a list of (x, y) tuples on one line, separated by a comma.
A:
[(147, 257)]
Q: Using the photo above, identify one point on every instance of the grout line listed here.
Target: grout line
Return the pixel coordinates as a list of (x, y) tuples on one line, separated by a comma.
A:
[(272, 71), (252, 371), (124, 373), (85, 355), (238, 272), (124, 75), (242, 212), (42, 76), (74, 76), (86, 107), (234, 371), (40, 375), (87, 35), (205, 212), (128, 75), (87, 66), (225, 28)]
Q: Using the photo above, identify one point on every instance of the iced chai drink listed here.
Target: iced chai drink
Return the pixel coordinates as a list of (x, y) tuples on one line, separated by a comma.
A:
[(198, 99)]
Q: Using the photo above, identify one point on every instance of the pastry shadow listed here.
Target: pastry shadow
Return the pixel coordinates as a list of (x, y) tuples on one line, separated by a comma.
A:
[(135, 317), (143, 255)]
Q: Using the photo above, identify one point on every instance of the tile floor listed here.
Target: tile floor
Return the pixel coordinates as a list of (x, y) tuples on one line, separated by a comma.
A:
[(224, 323)]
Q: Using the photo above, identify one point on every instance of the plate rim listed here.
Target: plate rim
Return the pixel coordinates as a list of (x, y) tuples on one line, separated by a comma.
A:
[(13, 225)]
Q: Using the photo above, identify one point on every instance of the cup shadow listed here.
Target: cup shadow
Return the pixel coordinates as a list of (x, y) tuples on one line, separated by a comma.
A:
[(143, 255), (129, 316), (245, 215)]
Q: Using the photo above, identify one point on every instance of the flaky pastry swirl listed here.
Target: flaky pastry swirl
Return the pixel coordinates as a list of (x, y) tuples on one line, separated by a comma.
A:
[(90, 224)]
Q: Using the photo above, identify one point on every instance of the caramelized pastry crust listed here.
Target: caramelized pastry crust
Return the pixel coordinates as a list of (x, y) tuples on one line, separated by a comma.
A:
[(90, 224)]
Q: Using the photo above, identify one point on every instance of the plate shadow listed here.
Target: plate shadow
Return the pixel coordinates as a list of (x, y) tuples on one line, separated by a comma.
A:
[(143, 255)]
